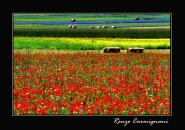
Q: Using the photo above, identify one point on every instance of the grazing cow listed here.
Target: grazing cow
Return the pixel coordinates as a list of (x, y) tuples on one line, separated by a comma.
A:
[(73, 20), (98, 27), (70, 26), (113, 27), (91, 27), (74, 27), (104, 27)]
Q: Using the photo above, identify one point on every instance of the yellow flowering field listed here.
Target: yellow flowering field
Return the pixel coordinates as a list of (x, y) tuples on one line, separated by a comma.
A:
[(88, 43)]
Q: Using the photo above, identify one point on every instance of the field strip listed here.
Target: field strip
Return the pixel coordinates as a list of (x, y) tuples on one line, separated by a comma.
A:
[(149, 27), (32, 51)]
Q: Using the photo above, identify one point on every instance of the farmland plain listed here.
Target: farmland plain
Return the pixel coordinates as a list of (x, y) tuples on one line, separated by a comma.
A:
[(87, 32), (60, 71)]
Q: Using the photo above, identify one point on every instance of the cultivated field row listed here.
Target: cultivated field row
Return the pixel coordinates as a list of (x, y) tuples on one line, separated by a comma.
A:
[(98, 32), (87, 43)]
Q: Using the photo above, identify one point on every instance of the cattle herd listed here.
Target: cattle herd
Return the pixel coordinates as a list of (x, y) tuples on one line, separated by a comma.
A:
[(73, 20), (70, 26)]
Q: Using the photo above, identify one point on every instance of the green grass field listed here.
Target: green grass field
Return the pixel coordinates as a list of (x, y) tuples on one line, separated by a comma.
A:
[(85, 17), (118, 25), (82, 32)]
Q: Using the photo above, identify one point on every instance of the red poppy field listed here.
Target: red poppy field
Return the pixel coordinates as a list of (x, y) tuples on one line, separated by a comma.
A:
[(91, 84)]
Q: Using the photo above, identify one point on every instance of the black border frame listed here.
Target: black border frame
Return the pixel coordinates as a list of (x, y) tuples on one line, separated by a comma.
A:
[(94, 122)]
